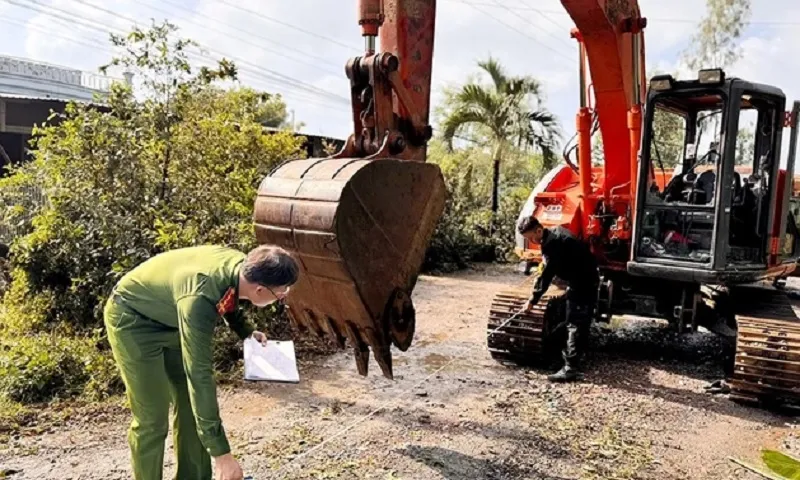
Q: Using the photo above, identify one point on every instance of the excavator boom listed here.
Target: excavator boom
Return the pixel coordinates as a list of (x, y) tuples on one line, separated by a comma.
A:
[(359, 221), (610, 34)]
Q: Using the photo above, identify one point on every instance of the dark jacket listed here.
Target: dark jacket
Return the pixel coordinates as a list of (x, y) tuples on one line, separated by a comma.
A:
[(569, 259)]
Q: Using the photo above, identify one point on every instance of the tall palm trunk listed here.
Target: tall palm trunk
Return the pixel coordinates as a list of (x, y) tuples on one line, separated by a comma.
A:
[(495, 185)]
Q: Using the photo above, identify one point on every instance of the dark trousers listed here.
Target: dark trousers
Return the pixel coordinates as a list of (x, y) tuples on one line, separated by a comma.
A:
[(580, 305)]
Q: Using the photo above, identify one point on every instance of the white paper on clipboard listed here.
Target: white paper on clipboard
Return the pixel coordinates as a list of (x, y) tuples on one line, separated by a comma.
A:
[(274, 363)]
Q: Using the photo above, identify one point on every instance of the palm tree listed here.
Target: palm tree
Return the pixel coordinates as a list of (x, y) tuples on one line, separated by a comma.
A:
[(509, 112)]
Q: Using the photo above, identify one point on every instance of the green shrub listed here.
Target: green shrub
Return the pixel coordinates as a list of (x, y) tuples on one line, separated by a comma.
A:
[(176, 165), (464, 234), (12, 416), (5, 276), (47, 366), (43, 367), (23, 310), (180, 168)]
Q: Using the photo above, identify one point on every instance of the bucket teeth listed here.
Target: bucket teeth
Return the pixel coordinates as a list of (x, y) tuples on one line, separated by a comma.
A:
[(333, 332), (384, 358), (362, 360)]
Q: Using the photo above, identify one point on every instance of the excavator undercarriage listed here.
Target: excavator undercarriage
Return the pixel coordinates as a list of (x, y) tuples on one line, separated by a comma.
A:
[(765, 367), (767, 362), (526, 338)]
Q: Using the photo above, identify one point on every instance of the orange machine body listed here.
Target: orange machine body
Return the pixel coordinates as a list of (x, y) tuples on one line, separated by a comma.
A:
[(595, 202), (598, 203)]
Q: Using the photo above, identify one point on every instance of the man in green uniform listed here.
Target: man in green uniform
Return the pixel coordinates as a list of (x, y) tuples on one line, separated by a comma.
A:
[(160, 320)]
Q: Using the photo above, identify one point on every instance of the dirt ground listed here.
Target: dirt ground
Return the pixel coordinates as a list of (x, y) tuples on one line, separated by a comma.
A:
[(454, 413)]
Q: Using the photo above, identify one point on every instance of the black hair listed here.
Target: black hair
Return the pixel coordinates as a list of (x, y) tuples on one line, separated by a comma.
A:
[(270, 266), (528, 224)]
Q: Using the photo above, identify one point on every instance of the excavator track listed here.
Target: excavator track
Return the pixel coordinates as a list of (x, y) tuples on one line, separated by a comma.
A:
[(525, 339), (767, 362)]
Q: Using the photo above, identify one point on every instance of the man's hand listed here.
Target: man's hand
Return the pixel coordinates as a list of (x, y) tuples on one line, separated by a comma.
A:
[(260, 337), (528, 306), (227, 468)]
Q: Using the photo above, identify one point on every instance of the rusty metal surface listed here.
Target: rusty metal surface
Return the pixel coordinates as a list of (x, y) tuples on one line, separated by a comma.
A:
[(390, 90), (360, 221), (526, 338), (359, 229), (408, 32), (767, 362)]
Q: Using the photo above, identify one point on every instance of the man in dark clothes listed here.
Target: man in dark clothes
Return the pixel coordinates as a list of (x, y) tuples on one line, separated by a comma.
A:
[(569, 259)]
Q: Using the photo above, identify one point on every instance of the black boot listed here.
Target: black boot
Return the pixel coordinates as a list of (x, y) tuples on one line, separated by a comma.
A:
[(566, 374)]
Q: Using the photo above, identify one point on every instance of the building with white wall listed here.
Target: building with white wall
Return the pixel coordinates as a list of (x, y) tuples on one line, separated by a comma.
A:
[(29, 90), (27, 78)]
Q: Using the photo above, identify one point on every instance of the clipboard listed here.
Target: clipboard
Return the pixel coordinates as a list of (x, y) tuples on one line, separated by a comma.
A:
[(274, 362)]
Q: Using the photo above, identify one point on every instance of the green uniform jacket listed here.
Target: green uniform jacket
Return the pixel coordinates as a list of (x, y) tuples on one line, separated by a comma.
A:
[(187, 290)]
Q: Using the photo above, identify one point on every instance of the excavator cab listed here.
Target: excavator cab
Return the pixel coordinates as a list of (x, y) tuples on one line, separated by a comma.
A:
[(722, 216)]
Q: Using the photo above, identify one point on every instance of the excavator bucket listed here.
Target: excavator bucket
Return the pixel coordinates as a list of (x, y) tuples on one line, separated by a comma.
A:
[(359, 221), (359, 229)]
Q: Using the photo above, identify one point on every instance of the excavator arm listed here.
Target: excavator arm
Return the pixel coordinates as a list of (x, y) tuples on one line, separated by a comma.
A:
[(611, 40), (359, 222), (610, 35)]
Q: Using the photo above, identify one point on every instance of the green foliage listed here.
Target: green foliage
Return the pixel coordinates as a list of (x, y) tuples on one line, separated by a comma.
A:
[(272, 112), (780, 463), (24, 309), (12, 416), (507, 116), (463, 233), (716, 43), (39, 368), (598, 155), (176, 165), (745, 146), (669, 134), (5, 276)]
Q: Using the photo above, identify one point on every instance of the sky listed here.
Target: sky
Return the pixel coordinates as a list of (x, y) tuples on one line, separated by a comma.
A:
[(299, 47)]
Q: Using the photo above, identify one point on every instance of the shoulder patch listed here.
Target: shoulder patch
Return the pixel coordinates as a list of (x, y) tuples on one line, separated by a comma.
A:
[(226, 304)]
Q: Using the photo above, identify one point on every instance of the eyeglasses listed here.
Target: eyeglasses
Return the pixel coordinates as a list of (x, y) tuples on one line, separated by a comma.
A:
[(282, 295)]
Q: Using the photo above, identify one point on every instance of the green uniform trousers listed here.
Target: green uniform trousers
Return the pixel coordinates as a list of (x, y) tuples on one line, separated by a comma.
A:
[(148, 355)]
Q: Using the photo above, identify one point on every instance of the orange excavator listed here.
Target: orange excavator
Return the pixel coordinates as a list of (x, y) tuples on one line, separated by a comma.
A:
[(359, 221), (695, 248)]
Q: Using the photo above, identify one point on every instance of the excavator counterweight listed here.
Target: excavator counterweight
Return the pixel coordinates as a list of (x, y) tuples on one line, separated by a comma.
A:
[(359, 222)]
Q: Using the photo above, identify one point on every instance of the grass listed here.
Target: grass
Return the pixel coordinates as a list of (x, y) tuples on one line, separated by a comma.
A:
[(288, 446), (609, 454), (300, 439), (13, 416)]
